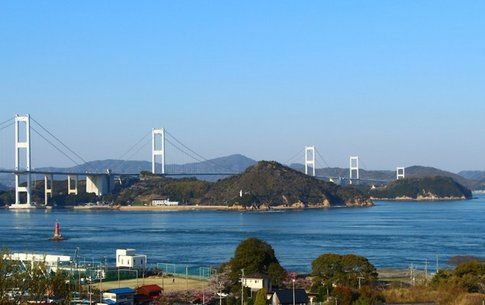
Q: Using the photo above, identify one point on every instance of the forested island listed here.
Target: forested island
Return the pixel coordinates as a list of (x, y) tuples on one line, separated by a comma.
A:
[(422, 189), (262, 186)]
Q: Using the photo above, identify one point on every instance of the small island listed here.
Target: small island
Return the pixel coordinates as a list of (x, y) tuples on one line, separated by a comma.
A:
[(263, 186), (421, 189)]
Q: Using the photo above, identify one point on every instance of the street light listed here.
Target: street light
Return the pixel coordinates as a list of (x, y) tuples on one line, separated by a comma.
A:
[(293, 280)]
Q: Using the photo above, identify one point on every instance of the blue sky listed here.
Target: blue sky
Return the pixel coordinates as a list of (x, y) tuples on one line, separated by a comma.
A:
[(395, 82)]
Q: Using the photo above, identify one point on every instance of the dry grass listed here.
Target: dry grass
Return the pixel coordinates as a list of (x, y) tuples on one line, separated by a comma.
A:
[(420, 294), (180, 284)]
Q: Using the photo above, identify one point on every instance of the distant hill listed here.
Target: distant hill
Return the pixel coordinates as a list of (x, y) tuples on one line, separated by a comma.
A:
[(473, 175), (275, 184), (423, 188), (232, 163), (415, 171)]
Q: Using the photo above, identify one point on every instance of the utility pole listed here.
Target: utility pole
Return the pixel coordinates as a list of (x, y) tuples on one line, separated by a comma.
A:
[(242, 286)]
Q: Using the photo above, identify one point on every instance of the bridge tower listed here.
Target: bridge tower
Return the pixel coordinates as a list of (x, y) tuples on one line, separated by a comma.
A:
[(400, 173), (22, 160), (310, 159), (354, 168), (158, 148)]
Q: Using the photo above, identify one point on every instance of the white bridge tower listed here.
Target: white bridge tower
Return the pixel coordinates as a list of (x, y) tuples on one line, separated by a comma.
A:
[(354, 168), (310, 160), (400, 173), (22, 161), (158, 149)]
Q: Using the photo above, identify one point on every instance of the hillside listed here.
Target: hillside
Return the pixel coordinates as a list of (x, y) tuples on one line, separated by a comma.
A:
[(425, 188), (274, 184), (473, 175), (266, 183), (231, 163)]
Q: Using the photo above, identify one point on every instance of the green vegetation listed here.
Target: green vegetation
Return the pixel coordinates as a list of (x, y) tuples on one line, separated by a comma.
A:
[(260, 297), (267, 183), (255, 256), (22, 285), (274, 184), (422, 189)]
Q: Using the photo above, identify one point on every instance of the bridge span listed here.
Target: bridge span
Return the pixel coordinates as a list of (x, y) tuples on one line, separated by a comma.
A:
[(101, 183)]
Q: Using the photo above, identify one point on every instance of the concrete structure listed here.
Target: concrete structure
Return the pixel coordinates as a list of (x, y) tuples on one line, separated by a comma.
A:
[(52, 262), (127, 258), (354, 168), (72, 182), (400, 173), (99, 184), (164, 202), (22, 144), (310, 159), (119, 296), (48, 188), (158, 149)]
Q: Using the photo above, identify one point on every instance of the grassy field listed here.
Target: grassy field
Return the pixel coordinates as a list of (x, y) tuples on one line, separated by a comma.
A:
[(168, 283)]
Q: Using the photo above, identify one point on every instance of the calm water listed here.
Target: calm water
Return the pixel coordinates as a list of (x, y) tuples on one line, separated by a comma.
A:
[(389, 234)]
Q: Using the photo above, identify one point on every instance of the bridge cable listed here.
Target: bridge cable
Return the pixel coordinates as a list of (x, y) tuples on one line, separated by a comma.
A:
[(322, 158), (200, 156), (6, 126), (53, 145), (134, 153), (4, 122), (58, 140), (134, 145), (293, 157)]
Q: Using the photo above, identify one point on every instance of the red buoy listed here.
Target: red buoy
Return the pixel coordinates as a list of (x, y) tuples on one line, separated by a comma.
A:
[(57, 232)]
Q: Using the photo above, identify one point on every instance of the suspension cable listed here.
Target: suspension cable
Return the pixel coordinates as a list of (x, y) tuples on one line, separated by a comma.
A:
[(58, 140), (195, 153), (53, 145), (6, 126), (293, 157), (323, 159), (6, 121), (134, 145)]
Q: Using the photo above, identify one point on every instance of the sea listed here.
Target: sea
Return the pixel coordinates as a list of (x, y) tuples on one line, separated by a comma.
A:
[(389, 234)]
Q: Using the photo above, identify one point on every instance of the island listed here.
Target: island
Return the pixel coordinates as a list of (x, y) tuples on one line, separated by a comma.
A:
[(421, 189)]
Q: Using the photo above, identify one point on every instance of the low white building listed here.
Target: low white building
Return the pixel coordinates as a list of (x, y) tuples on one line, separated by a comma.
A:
[(129, 259), (52, 262), (164, 202), (256, 282)]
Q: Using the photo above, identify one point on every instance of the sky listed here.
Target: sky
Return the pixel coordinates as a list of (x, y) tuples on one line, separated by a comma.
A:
[(397, 83)]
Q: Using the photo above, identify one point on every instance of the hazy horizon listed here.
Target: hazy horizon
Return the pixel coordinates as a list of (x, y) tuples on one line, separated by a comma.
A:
[(397, 83)]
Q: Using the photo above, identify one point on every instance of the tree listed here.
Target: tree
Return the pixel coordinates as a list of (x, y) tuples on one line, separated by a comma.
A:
[(260, 297), (255, 256), (20, 284), (343, 270)]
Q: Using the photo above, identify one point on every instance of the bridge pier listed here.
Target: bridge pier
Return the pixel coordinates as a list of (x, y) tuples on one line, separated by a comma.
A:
[(310, 159), (48, 188), (72, 182), (99, 184), (354, 168), (22, 144)]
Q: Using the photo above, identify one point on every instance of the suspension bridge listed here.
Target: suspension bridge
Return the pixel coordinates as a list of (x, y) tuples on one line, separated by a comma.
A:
[(101, 183)]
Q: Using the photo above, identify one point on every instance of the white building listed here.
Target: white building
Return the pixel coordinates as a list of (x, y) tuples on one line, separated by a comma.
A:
[(129, 259), (52, 262), (164, 202), (256, 282)]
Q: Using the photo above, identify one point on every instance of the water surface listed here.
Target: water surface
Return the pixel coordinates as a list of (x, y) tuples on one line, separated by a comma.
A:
[(390, 234)]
